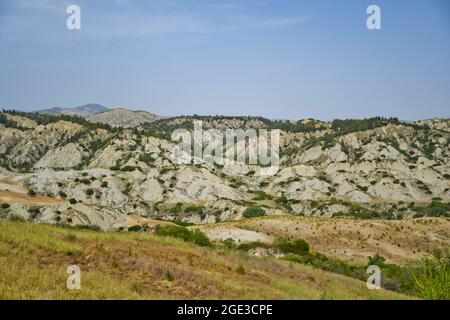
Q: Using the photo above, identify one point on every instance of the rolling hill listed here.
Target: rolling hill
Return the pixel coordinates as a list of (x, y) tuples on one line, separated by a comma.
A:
[(34, 259)]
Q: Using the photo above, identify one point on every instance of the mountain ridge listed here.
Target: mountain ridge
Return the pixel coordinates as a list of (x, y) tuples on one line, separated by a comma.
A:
[(122, 117), (360, 168), (82, 111)]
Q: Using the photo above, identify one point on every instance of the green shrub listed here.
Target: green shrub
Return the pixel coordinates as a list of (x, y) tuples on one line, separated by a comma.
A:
[(376, 260), (251, 245), (297, 259), (254, 211), (15, 217), (395, 277), (285, 202), (5, 205), (298, 246), (363, 188), (169, 276), (147, 158), (78, 226), (138, 228), (165, 170), (240, 269), (435, 209), (72, 201), (185, 234), (175, 209), (353, 125), (90, 192), (431, 279), (194, 209), (34, 212), (128, 168), (261, 195), (127, 188), (85, 181), (263, 184), (322, 262), (229, 244), (182, 223), (86, 227)]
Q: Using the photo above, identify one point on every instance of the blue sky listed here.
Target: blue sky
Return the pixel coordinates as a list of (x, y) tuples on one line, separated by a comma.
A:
[(275, 58)]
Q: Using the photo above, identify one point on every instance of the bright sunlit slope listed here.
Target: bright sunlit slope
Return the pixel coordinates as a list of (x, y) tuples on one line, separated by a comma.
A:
[(34, 259)]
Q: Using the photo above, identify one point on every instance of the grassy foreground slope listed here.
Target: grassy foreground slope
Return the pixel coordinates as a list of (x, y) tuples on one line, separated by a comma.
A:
[(34, 259)]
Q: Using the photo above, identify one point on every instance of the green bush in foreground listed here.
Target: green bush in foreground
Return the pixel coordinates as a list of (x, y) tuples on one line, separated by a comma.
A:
[(185, 234), (431, 279)]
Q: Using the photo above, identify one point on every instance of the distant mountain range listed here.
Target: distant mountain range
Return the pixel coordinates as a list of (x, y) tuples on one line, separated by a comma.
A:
[(97, 113), (82, 111)]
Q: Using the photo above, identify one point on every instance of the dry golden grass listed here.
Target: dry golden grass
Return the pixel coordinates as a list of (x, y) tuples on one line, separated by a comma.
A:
[(34, 259), (400, 241)]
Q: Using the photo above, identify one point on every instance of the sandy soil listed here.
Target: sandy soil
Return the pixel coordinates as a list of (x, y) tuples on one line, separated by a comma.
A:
[(239, 235), (138, 220), (7, 184)]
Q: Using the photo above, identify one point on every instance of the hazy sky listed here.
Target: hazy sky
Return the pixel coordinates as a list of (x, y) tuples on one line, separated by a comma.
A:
[(274, 58)]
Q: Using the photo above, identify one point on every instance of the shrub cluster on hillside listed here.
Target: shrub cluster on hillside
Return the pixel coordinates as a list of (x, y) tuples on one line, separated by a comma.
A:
[(43, 119), (430, 279), (353, 125), (183, 233), (436, 208), (6, 122), (298, 246), (254, 211)]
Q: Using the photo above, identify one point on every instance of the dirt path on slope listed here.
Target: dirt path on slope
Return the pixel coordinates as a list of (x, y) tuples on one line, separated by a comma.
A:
[(12, 197)]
